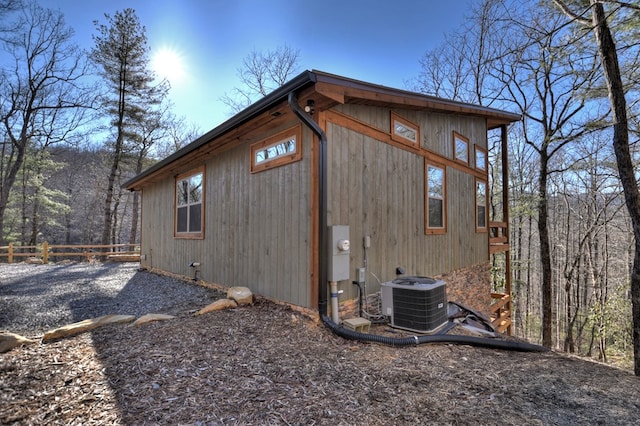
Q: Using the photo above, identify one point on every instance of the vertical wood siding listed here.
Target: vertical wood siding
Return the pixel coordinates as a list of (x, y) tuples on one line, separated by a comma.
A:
[(378, 190), (257, 226)]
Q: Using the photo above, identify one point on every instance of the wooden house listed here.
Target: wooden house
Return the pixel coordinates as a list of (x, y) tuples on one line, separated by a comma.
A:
[(253, 202)]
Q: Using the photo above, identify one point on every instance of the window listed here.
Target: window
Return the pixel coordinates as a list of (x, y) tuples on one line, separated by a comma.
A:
[(435, 200), (277, 150), (481, 206), (460, 148), (481, 158), (189, 217), (402, 130)]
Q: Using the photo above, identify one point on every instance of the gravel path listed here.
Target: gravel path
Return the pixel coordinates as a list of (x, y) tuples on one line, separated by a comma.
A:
[(36, 298)]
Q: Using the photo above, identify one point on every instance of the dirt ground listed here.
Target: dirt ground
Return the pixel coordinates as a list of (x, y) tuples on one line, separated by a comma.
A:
[(269, 365)]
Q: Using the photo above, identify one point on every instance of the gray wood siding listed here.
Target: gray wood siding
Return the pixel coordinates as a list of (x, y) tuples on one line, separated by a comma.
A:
[(257, 226), (378, 190), (436, 130)]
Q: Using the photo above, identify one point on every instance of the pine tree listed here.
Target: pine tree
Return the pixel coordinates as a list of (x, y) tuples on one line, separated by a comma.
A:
[(122, 54)]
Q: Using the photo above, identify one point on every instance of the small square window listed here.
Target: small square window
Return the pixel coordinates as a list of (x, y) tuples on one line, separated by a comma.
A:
[(460, 148), (404, 131)]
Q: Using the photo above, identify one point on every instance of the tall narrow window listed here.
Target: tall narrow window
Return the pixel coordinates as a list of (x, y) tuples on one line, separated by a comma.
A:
[(402, 130), (189, 217), (460, 148), (481, 159), (481, 206), (435, 200)]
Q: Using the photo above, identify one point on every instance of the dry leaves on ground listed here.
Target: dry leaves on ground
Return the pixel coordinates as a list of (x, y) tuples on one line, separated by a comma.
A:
[(266, 364)]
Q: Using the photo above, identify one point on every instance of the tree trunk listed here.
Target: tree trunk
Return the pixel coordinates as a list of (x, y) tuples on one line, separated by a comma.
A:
[(135, 206), (609, 58), (7, 184), (527, 299), (545, 253), (106, 227)]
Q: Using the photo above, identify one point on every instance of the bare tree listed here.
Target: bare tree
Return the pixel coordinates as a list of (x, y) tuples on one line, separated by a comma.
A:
[(149, 132), (45, 97), (261, 73), (122, 53), (607, 50), (458, 69), (546, 79)]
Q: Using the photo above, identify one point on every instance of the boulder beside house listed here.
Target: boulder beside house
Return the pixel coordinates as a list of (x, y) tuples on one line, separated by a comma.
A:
[(329, 181)]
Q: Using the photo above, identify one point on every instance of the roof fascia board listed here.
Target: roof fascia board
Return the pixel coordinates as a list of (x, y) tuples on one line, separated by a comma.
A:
[(302, 80), (339, 89), (330, 85)]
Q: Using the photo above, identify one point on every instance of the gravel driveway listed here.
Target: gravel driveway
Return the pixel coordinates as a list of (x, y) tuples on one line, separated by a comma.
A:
[(36, 298)]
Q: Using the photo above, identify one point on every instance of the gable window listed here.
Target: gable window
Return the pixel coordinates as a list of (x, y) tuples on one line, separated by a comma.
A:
[(435, 200), (481, 159), (402, 130), (481, 206), (460, 148), (277, 150), (189, 214)]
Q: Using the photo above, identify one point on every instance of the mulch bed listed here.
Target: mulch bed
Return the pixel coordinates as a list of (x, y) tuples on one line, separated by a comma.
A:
[(267, 364)]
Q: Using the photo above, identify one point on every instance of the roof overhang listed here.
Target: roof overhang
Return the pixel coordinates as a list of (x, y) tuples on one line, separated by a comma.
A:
[(334, 89)]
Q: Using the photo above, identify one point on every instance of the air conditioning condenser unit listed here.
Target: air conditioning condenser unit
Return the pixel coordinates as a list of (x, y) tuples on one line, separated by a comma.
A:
[(416, 304)]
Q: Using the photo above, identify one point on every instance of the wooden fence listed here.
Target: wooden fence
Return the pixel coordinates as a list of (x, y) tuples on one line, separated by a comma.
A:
[(44, 251)]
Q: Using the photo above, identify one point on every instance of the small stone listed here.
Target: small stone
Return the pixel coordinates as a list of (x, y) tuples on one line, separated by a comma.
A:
[(86, 325), (9, 341), (242, 295), (218, 305), (150, 318)]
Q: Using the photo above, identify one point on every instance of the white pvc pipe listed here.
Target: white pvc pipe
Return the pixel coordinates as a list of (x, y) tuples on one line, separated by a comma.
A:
[(335, 317)]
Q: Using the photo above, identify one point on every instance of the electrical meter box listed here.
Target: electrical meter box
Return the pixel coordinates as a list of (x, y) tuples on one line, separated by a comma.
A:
[(339, 253)]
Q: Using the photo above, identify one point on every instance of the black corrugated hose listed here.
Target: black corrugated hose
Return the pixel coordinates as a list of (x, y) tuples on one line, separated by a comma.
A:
[(433, 338)]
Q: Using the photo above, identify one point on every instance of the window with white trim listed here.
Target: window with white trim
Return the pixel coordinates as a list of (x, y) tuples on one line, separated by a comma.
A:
[(402, 130), (189, 214), (435, 199)]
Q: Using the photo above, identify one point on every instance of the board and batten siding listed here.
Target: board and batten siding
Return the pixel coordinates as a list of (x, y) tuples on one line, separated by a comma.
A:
[(378, 190), (257, 226)]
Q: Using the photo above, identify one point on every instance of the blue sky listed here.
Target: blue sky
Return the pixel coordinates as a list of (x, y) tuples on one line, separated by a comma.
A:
[(376, 41)]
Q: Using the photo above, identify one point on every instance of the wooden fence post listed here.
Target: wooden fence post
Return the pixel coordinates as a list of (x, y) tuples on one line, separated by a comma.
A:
[(45, 252), (10, 257)]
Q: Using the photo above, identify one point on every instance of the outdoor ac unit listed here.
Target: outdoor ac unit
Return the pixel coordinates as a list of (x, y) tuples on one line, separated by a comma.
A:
[(415, 303)]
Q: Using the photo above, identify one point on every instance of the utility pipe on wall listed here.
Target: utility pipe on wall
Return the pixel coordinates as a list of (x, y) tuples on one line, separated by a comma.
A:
[(322, 201), (335, 317)]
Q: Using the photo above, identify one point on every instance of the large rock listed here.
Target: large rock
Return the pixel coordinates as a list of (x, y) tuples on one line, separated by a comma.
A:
[(86, 325), (218, 305), (242, 295), (151, 318), (9, 341)]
